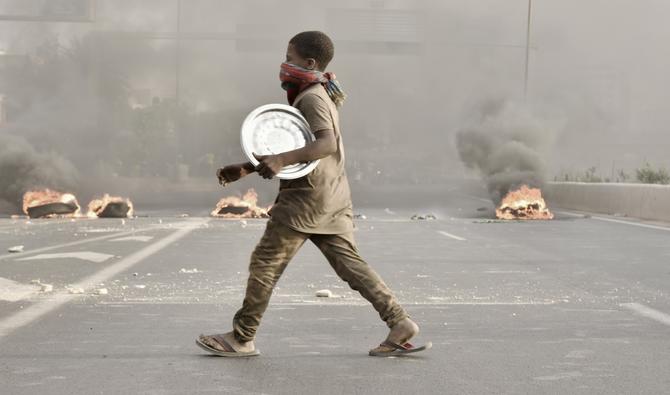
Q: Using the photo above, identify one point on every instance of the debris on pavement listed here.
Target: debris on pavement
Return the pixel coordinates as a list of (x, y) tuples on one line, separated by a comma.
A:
[(189, 271), (324, 293), (15, 249), (426, 217), (360, 216), (101, 291), (481, 209), (74, 290), (44, 288), (140, 286)]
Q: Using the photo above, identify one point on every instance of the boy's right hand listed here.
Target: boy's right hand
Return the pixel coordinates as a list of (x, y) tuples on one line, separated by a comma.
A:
[(230, 173)]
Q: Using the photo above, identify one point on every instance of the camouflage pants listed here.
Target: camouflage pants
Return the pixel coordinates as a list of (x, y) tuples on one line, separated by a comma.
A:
[(273, 253)]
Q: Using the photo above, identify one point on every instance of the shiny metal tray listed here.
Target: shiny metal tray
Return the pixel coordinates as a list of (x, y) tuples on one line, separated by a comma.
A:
[(275, 128)]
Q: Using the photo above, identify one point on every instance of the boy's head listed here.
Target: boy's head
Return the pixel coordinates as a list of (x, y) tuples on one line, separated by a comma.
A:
[(311, 50)]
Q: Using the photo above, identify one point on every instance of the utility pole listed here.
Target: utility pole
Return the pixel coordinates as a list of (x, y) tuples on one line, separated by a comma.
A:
[(525, 74)]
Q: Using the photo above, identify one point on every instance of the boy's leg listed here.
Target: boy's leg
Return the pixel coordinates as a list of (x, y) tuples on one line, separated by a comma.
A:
[(274, 251), (343, 256)]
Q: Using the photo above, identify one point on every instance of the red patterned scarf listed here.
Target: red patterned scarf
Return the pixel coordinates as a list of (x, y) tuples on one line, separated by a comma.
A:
[(294, 79)]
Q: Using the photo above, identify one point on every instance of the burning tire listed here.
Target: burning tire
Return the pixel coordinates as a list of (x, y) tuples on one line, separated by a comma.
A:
[(110, 207), (47, 203)]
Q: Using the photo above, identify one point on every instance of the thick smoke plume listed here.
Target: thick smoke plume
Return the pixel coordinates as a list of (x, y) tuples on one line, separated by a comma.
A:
[(23, 168), (503, 142)]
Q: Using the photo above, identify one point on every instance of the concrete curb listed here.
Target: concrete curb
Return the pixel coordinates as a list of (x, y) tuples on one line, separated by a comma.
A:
[(643, 201)]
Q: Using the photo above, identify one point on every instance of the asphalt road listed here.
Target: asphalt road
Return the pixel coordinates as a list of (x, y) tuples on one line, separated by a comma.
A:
[(577, 305)]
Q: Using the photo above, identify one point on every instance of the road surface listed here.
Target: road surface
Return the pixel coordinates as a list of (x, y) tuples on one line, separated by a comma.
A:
[(577, 305)]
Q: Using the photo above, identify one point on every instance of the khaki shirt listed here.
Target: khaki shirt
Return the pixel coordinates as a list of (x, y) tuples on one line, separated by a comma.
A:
[(320, 202)]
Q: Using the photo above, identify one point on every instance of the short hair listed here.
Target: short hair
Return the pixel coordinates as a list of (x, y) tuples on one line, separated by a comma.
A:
[(316, 45)]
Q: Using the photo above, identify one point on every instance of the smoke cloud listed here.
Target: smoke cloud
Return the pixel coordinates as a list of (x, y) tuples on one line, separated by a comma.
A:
[(504, 143), (23, 168)]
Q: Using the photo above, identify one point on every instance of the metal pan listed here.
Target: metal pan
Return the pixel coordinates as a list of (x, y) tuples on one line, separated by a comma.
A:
[(275, 128)]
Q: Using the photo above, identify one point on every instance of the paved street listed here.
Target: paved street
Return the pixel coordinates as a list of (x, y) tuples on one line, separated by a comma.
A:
[(578, 305)]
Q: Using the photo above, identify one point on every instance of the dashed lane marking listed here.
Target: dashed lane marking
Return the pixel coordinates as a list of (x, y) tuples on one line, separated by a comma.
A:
[(443, 233)]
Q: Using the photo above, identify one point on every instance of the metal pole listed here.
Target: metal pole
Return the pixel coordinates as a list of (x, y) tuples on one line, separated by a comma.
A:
[(177, 55), (525, 74)]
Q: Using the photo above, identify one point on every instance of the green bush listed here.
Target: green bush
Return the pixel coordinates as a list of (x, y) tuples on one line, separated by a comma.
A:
[(648, 175)]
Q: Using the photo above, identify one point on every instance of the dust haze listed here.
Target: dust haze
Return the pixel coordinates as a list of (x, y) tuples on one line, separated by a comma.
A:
[(145, 98)]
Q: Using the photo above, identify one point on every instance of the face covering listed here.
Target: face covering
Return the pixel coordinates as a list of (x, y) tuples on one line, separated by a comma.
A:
[(294, 79)]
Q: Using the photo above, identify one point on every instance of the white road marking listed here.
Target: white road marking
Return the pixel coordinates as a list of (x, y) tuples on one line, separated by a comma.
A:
[(616, 221), (134, 238), (443, 233), (74, 243), (648, 312), (90, 256), (12, 291), (36, 311), (632, 223), (569, 213)]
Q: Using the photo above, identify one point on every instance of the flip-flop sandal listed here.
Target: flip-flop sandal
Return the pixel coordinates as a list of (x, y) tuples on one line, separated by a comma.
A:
[(397, 349), (229, 350)]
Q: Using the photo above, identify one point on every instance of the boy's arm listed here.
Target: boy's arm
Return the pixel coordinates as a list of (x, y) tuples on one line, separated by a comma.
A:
[(319, 118), (233, 173), (324, 145)]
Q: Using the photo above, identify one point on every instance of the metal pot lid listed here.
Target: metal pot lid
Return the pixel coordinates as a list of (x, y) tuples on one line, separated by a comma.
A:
[(275, 128)]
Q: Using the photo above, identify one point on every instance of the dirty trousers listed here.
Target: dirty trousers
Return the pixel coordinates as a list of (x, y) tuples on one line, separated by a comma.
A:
[(271, 256)]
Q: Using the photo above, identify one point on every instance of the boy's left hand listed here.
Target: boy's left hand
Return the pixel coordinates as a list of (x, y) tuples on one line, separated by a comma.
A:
[(269, 165)]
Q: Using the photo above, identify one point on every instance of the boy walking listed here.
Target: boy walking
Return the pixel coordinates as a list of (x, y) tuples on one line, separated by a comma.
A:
[(316, 207)]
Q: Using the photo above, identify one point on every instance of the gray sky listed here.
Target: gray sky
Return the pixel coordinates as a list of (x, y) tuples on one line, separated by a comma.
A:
[(415, 70)]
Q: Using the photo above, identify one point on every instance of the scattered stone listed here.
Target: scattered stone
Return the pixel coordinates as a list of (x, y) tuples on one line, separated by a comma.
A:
[(360, 216), (75, 290), (102, 291), (183, 215), (189, 271), (135, 274), (15, 249), (140, 286), (324, 293)]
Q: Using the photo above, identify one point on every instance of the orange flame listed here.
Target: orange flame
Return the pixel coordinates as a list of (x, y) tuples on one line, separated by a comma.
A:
[(97, 206), (47, 196), (524, 203), (235, 207)]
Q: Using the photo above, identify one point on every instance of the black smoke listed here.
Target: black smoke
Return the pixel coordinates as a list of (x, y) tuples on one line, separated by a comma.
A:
[(503, 143), (22, 168)]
